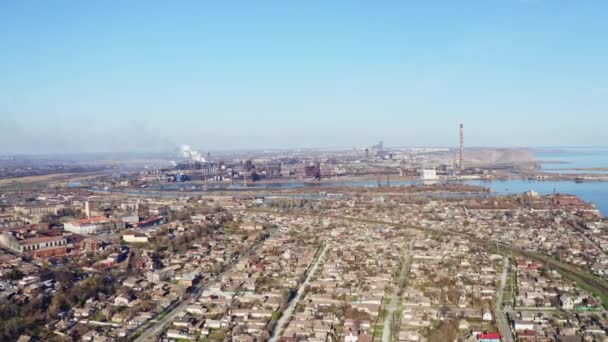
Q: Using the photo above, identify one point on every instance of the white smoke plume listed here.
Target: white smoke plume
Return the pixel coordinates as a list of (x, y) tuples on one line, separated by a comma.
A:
[(186, 151)]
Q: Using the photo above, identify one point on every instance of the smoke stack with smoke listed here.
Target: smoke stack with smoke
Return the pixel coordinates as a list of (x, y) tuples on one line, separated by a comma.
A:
[(186, 151)]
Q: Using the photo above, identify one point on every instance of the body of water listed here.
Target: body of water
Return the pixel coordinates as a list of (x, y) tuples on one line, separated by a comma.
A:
[(573, 158), (594, 192)]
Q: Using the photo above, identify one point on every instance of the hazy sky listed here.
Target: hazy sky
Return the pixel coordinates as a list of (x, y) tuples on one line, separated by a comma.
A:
[(146, 75)]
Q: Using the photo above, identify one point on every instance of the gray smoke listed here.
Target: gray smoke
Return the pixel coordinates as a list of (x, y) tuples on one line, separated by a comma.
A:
[(193, 155)]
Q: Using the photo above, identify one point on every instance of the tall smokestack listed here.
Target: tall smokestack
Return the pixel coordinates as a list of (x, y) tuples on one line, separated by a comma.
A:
[(461, 147)]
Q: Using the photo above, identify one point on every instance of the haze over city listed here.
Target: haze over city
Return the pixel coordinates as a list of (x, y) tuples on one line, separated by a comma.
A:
[(314, 171), (154, 75)]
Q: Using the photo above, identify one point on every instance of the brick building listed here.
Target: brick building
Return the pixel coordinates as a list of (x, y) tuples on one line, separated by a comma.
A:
[(36, 246)]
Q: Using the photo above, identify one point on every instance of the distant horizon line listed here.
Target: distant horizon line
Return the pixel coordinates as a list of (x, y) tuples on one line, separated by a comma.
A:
[(287, 149)]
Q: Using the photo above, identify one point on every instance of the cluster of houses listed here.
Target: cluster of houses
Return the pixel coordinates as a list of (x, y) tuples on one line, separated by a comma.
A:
[(245, 302), (157, 283), (68, 230), (323, 271), (548, 307), (450, 280), (558, 225), (345, 297)]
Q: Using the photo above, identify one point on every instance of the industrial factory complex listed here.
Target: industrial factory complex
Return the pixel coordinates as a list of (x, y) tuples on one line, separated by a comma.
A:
[(316, 165)]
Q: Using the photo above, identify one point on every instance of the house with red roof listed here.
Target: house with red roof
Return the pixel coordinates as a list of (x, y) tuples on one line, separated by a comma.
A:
[(489, 337)]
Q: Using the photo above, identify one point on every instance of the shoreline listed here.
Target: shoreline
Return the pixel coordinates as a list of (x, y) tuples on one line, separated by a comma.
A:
[(540, 177)]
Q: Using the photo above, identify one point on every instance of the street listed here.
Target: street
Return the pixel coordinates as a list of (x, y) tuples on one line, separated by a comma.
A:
[(155, 327), (395, 299), (286, 317), (501, 319)]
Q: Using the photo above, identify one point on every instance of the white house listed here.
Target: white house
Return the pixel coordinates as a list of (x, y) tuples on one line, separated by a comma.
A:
[(486, 315), (179, 334), (519, 325), (566, 302), (124, 300), (351, 337), (196, 309), (213, 324)]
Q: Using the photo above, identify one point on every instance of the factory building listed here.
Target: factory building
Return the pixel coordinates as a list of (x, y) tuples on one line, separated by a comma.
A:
[(150, 222), (37, 246), (94, 225), (37, 209), (313, 170)]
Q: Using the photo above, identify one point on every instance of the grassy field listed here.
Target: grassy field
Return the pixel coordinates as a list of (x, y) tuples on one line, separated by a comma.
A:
[(603, 297), (507, 297), (37, 182), (34, 179), (379, 328), (378, 332)]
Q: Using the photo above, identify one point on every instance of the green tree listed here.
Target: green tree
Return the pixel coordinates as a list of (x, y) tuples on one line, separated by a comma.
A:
[(14, 274)]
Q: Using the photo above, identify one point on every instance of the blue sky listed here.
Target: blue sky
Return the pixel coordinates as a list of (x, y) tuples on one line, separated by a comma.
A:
[(80, 76)]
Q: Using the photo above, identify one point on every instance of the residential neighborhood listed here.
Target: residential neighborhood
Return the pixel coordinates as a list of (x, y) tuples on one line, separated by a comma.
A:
[(361, 266)]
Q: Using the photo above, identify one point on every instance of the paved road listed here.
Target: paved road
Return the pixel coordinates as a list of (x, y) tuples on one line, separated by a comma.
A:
[(392, 307), (294, 301), (414, 307), (591, 242), (386, 332), (156, 327), (173, 311), (533, 309), (501, 319)]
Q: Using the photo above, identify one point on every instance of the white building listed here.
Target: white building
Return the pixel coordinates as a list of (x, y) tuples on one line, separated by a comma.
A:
[(428, 174), (125, 300), (135, 237), (94, 225), (40, 209), (351, 337), (566, 302), (180, 334), (486, 315), (520, 325)]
